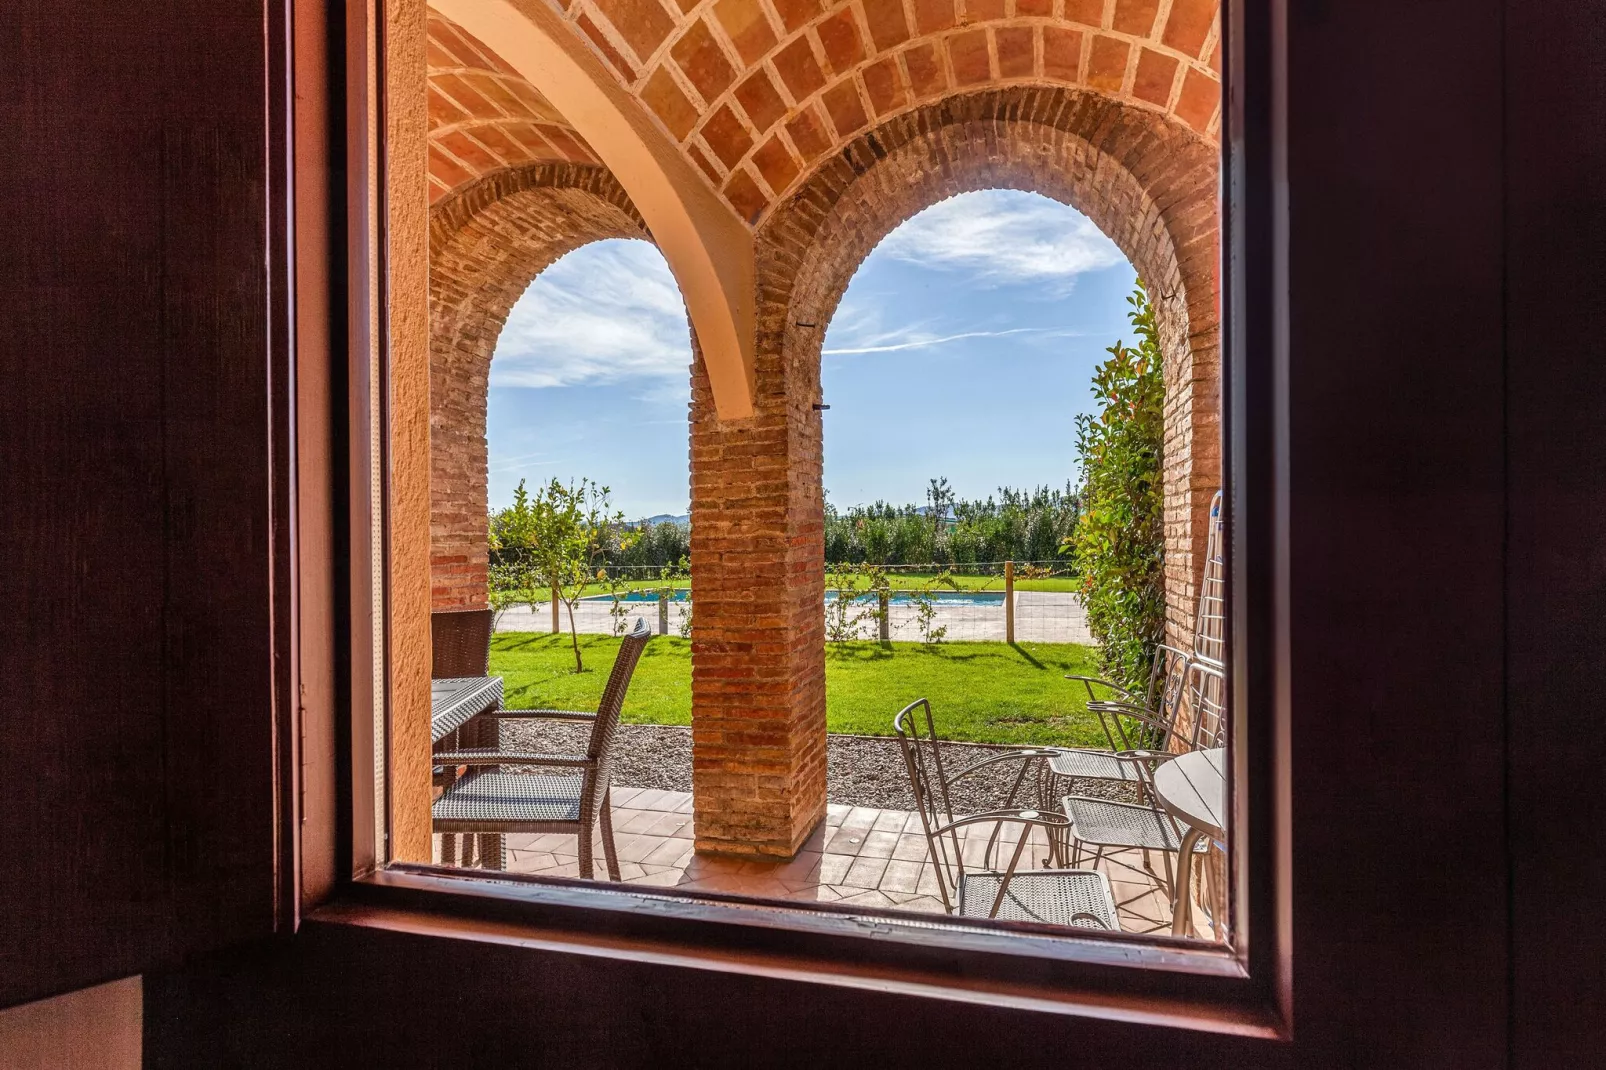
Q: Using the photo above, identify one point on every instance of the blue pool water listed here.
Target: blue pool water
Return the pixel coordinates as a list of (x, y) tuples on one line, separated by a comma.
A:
[(898, 598)]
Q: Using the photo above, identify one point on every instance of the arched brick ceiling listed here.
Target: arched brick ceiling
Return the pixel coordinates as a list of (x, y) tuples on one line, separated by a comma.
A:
[(484, 117), (757, 91)]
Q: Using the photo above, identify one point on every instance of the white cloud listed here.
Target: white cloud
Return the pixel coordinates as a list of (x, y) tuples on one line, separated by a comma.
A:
[(913, 338), (606, 312), (1004, 236)]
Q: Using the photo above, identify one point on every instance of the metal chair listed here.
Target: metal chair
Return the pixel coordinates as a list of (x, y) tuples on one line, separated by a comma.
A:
[(1057, 897), (1130, 721), (490, 799), (1210, 623)]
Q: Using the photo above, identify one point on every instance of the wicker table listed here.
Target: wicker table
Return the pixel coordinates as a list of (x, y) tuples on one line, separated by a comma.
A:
[(453, 702), (1193, 789)]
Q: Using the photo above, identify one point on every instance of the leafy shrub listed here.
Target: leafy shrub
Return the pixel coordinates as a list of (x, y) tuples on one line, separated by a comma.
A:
[(1118, 545)]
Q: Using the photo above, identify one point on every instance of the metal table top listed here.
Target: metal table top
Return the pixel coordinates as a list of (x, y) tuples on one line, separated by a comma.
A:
[(1193, 788)]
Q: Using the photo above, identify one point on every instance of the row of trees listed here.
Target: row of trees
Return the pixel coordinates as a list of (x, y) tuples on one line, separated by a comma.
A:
[(951, 532)]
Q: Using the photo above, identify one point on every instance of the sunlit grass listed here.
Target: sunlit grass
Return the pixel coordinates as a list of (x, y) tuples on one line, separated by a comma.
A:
[(980, 692)]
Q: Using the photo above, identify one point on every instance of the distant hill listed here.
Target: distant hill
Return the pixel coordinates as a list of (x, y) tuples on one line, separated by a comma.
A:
[(684, 520)]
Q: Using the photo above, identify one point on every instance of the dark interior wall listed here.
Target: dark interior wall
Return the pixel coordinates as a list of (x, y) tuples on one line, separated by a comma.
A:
[(136, 526)]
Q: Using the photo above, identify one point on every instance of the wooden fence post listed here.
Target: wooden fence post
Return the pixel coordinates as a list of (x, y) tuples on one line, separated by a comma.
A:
[(663, 611), (886, 616), (1009, 601)]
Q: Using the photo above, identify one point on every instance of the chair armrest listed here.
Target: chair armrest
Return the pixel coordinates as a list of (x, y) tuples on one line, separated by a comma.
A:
[(1089, 681), (556, 715), (1024, 754), (498, 756)]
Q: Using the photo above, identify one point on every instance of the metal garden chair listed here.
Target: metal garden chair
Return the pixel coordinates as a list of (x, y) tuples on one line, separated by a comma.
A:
[(1058, 897), (1130, 721), (491, 799)]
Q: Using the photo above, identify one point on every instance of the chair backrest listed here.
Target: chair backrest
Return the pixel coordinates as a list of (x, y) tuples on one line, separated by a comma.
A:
[(460, 643), (1207, 707), (1210, 622), (922, 760), (603, 729)]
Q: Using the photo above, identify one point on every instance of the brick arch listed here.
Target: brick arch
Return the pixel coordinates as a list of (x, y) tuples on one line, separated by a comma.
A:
[(1149, 184), (488, 240), (757, 499)]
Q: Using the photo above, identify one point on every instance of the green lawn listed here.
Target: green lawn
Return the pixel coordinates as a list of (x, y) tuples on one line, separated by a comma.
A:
[(982, 692)]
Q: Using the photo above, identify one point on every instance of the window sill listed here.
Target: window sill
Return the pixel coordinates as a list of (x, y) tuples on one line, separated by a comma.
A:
[(1138, 980)]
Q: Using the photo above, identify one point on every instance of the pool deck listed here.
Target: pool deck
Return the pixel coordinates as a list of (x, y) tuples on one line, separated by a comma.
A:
[(1040, 617)]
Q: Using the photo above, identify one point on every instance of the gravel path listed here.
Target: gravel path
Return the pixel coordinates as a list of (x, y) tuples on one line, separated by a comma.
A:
[(859, 770)]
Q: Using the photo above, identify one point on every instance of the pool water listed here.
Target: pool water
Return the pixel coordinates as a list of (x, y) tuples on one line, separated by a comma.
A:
[(896, 598)]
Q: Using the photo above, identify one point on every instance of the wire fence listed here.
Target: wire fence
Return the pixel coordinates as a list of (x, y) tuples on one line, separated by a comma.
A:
[(998, 601)]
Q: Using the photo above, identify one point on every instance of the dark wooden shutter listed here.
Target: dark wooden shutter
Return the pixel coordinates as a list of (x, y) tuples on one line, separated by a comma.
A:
[(140, 510)]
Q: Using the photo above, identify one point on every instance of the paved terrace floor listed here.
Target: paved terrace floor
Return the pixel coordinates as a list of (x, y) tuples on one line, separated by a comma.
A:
[(861, 856), (1040, 617)]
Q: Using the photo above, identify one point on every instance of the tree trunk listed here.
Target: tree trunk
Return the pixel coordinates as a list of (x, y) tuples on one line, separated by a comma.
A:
[(574, 637)]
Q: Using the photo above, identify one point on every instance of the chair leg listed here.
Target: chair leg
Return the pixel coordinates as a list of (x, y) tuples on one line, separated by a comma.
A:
[(585, 838), (608, 852), (449, 849), (493, 850)]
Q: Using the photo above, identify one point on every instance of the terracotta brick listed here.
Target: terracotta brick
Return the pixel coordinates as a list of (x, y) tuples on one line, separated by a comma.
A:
[(1034, 8), (1189, 24), (983, 10), (744, 195), (796, 14), (926, 74), (888, 26), (1200, 97), (537, 105), (441, 110), (884, 86), (685, 6), (702, 61), (437, 57), (605, 46), (760, 100), (1156, 72), (1062, 53), (527, 135), (669, 103), (775, 164), (1087, 12), (842, 103), (1135, 16), (799, 69), (808, 134), (466, 96), (503, 146), (700, 158), (466, 149), (566, 142), (1106, 64), (643, 24), (449, 171), (1015, 51), (749, 28), (968, 52), (727, 136), (496, 91), (839, 37), (934, 15)]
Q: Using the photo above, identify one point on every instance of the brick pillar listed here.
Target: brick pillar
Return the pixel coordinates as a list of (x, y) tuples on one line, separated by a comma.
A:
[(758, 622)]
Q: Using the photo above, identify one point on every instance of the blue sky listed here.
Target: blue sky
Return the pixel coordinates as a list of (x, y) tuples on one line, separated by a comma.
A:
[(964, 347)]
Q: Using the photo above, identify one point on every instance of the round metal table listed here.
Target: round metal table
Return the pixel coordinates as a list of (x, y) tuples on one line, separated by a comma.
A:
[(1193, 789)]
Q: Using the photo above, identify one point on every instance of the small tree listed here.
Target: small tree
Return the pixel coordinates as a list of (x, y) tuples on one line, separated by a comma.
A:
[(560, 534), (1118, 544)]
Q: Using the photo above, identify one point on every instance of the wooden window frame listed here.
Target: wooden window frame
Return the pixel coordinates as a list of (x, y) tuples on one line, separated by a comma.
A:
[(1244, 989)]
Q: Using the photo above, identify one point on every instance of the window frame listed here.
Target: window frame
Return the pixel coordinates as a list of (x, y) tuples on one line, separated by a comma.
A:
[(1243, 989)]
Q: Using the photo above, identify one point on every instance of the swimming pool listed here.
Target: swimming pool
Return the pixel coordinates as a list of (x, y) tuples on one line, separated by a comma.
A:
[(896, 598)]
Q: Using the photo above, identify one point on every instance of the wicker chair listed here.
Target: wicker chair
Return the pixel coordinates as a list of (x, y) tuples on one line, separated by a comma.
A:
[(492, 799), (1055, 896), (460, 646)]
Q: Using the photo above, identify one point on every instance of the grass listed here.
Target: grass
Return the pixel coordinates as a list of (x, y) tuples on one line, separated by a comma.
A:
[(980, 692)]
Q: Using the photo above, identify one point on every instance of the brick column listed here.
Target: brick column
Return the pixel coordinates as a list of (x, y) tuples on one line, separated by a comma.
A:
[(758, 622)]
